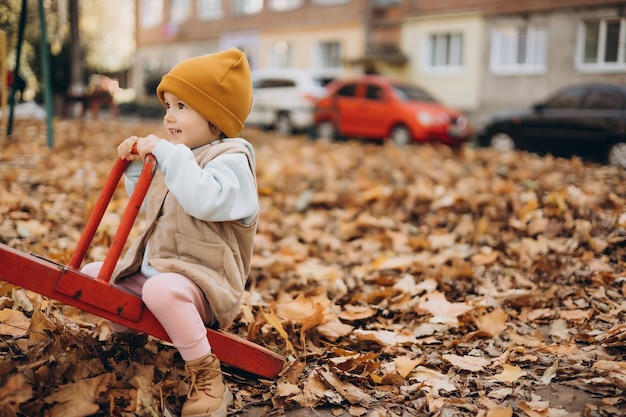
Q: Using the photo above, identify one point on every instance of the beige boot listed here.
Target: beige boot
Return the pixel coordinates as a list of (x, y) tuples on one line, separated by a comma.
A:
[(208, 395)]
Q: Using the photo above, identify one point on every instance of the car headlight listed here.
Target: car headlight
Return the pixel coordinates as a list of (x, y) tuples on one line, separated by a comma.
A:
[(460, 122), (425, 118)]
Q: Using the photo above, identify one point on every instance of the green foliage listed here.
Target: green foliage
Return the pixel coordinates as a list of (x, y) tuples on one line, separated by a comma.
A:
[(97, 40), (30, 56), (9, 17)]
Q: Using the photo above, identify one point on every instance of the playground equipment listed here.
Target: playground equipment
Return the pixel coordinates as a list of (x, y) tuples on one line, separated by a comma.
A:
[(4, 88), (68, 285)]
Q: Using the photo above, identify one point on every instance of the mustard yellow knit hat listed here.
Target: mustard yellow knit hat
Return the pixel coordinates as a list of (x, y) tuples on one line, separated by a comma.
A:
[(218, 86)]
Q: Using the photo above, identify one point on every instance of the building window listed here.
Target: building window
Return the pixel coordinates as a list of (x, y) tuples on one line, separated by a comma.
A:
[(247, 6), (151, 13), (329, 2), (281, 55), (210, 9), (444, 52), (602, 45), (180, 10), (385, 3), (330, 54), (284, 5), (518, 50)]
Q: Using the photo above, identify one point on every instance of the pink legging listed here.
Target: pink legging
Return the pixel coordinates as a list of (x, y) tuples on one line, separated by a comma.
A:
[(176, 302)]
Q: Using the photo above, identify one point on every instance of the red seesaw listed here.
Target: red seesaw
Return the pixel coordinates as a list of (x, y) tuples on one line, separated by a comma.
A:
[(65, 283)]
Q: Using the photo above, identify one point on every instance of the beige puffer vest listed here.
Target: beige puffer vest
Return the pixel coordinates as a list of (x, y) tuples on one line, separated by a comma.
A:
[(216, 256)]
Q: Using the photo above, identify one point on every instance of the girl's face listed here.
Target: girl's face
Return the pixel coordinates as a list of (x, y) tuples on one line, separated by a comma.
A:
[(185, 125)]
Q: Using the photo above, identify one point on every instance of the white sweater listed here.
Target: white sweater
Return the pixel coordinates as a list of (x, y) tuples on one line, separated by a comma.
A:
[(224, 190)]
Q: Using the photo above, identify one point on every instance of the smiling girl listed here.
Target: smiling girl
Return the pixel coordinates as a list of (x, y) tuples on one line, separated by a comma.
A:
[(191, 264)]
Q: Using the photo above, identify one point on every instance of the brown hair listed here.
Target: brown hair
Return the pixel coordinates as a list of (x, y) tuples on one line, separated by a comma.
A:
[(216, 131)]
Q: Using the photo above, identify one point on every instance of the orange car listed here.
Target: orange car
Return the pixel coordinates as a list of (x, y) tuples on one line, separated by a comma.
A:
[(374, 107)]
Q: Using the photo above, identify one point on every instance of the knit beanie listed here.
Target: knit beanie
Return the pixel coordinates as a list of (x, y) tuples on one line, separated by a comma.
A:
[(218, 86)]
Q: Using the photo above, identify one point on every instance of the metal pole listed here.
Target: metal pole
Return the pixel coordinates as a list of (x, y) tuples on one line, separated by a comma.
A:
[(77, 84), (3, 74), (45, 55), (20, 40)]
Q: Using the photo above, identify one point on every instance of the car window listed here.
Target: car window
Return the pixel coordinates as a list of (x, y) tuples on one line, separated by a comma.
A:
[(566, 99), (273, 83), (322, 81), (373, 92), (602, 100), (347, 90), (412, 93)]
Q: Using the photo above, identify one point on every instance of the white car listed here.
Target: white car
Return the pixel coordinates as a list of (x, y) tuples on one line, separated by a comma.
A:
[(284, 99)]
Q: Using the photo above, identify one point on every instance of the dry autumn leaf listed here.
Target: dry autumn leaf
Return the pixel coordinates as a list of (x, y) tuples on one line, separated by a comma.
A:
[(492, 323), (467, 363), (405, 364), (13, 323), (350, 392), (535, 408), (510, 373), (354, 313), (441, 309), (79, 399), (385, 337), (500, 412), (550, 373)]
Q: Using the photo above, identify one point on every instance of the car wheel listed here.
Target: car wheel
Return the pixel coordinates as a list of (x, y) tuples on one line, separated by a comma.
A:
[(502, 142), (400, 135), (617, 155), (326, 130), (283, 124)]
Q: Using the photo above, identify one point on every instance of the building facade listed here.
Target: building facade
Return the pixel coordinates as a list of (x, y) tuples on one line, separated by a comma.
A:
[(489, 55), (477, 55), (306, 34)]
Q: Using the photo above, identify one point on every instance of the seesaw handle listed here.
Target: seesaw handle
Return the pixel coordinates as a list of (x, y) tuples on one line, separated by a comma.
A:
[(127, 221)]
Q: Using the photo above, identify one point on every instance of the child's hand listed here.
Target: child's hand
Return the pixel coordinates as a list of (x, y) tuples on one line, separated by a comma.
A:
[(146, 145), (125, 149), (143, 147)]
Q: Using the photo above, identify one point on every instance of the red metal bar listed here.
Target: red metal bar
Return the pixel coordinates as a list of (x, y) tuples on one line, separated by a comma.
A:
[(98, 212), (128, 218)]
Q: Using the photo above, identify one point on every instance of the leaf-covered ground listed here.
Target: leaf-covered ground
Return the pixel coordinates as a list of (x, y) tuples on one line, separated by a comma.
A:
[(395, 281)]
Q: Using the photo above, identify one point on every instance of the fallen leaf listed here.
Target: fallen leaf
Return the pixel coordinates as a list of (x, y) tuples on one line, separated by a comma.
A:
[(406, 364), (78, 399), (510, 373), (467, 363), (13, 323), (500, 412), (349, 391), (535, 408), (441, 309), (492, 323), (550, 373), (354, 313), (385, 337)]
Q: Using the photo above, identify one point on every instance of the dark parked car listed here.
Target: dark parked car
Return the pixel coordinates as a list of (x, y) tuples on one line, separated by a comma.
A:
[(587, 120), (374, 107)]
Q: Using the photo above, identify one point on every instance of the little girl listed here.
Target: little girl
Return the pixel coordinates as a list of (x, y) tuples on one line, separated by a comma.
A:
[(191, 264)]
